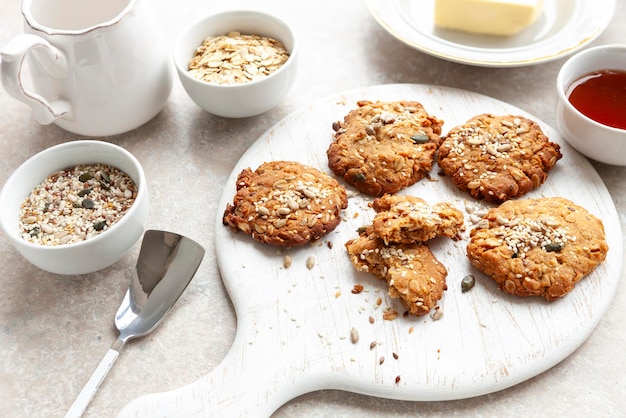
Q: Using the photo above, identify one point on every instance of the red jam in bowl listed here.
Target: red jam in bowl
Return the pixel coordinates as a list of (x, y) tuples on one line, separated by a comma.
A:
[(601, 96)]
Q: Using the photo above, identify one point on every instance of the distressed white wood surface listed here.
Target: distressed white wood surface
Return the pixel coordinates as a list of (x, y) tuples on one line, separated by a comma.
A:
[(293, 331)]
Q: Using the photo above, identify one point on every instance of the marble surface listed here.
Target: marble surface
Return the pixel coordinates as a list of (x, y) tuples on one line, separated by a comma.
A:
[(55, 329)]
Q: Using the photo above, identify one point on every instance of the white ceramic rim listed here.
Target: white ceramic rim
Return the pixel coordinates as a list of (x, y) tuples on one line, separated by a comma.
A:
[(562, 85), (11, 230), (590, 19), (179, 47), (34, 23)]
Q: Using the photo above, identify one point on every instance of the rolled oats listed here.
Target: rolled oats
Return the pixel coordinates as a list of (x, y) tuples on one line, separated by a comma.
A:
[(236, 58)]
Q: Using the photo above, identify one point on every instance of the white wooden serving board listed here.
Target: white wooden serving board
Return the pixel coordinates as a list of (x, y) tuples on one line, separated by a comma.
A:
[(294, 324)]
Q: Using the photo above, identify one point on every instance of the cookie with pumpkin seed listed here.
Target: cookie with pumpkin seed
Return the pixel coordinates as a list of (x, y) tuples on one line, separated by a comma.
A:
[(285, 203), (383, 147), (497, 158), (538, 247)]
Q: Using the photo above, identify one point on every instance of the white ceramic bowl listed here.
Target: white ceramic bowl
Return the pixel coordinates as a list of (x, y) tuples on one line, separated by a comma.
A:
[(241, 100), (597, 141), (94, 253)]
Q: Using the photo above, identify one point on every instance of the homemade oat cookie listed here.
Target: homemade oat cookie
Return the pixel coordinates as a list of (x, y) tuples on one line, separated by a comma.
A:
[(496, 158), (285, 203), (537, 247), (383, 147), (411, 271), (409, 219)]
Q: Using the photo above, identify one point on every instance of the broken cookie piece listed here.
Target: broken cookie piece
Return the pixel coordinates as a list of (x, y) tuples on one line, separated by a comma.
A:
[(409, 219), (411, 271)]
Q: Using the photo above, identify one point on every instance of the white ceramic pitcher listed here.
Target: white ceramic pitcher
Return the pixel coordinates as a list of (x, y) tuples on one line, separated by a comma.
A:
[(93, 67)]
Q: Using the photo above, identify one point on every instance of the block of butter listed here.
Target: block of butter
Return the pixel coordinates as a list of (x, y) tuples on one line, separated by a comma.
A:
[(487, 17)]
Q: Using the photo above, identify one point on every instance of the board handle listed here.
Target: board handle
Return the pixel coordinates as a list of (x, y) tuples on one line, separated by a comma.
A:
[(253, 380)]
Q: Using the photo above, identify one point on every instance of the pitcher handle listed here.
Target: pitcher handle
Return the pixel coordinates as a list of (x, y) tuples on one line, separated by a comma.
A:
[(51, 58)]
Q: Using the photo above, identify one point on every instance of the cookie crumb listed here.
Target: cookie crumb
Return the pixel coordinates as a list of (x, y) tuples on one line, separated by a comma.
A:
[(358, 288)]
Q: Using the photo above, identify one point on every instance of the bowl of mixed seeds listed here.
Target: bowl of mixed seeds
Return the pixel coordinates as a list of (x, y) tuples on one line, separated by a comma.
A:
[(75, 208), (237, 63)]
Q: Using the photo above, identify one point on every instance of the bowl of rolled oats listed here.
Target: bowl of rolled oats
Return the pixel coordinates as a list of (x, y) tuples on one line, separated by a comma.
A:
[(76, 207), (237, 63)]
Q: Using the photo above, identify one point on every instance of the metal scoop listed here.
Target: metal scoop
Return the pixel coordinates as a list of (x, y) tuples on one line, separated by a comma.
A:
[(167, 263)]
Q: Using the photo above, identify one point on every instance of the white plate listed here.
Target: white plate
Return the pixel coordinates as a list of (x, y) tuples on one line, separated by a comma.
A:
[(564, 27), (294, 324)]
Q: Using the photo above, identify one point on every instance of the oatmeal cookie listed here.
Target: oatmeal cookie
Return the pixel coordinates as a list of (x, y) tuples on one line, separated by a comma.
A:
[(408, 219), (537, 247), (285, 203), (496, 158), (383, 147), (411, 271)]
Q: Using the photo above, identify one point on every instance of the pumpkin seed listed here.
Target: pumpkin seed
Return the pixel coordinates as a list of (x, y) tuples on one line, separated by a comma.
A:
[(85, 191), (99, 226), (88, 203), (420, 138), (359, 177), (105, 177), (85, 176), (467, 283), (553, 247)]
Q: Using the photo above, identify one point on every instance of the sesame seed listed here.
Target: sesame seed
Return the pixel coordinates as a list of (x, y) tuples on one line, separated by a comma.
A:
[(522, 235)]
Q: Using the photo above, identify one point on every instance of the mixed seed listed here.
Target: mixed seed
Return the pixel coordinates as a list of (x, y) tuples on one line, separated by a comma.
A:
[(521, 235), (493, 144), (75, 204), (290, 203)]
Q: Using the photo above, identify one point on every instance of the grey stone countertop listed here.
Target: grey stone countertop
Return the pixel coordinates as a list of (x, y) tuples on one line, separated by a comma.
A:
[(55, 329)]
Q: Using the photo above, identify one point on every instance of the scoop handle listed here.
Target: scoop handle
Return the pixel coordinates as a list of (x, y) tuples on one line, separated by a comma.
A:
[(89, 390)]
